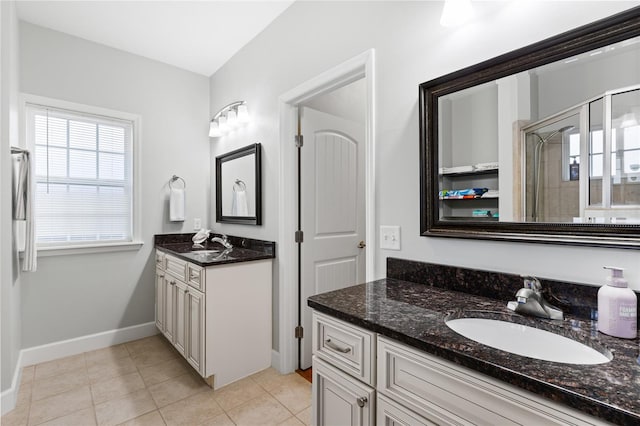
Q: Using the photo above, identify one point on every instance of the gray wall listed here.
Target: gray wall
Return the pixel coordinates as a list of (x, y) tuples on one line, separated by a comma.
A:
[(9, 279), (76, 295), (347, 102), (474, 127), (411, 47), (583, 80)]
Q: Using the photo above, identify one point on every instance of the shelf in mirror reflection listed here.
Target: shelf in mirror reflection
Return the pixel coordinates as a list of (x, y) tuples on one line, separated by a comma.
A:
[(469, 218), (469, 197), (470, 173)]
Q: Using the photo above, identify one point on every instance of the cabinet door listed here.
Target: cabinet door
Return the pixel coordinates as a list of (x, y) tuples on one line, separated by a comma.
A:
[(160, 292), (195, 330), (390, 413), (168, 302), (180, 313), (339, 399)]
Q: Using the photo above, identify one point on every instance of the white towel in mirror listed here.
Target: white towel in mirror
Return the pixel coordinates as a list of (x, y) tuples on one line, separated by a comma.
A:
[(176, 205), (239, 206)]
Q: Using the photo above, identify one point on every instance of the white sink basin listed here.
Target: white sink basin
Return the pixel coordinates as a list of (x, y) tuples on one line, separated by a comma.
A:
[(526, 341)]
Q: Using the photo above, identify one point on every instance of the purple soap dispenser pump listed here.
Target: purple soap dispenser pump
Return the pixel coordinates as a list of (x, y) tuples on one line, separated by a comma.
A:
[(617, 307)]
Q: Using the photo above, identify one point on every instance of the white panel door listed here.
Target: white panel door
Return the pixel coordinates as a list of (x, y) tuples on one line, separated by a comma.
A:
[(332, 209)]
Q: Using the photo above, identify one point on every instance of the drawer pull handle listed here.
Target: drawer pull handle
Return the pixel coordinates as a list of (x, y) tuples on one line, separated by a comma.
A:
[(335, 347), (362, 401)]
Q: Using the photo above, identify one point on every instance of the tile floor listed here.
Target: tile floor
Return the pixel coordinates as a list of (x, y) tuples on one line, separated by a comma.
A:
[(146, 382)]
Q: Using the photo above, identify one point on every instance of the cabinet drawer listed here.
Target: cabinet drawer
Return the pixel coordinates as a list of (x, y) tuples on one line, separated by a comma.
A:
[(449, 394), (195, 276), (346, 346), (176, 267), (160, 260)]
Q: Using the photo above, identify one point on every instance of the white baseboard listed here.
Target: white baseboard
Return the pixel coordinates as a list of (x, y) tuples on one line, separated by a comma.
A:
[(64, 348), (78, 345), (9, 397)]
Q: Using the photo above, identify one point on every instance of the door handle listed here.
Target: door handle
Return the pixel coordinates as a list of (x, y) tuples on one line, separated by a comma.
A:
[(362, 401), (335, 347), (362, 244)]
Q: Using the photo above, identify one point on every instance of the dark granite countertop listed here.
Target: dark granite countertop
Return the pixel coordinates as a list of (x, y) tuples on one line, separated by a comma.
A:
[(415, 313), (244, 249)]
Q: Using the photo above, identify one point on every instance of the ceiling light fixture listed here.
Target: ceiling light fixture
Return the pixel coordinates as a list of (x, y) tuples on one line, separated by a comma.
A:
[(229, 117), (456, 12)]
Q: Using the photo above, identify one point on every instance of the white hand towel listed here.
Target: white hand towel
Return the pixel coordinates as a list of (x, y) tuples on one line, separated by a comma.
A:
[(239, 206), (23, 204), (176, 205)]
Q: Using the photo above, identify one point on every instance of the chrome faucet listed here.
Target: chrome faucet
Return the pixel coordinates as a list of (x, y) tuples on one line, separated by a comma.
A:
[(531, 302), (222, 240)]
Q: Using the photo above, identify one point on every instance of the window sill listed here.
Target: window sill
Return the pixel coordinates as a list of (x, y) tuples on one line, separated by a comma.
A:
[(87, 249)]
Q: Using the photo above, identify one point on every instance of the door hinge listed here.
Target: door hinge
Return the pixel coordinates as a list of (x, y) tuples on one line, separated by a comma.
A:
[(299, 332), (299, 237), (299, 141)]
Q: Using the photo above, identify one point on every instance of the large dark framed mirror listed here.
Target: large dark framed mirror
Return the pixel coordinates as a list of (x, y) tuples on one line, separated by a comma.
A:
[(239, 186), (539, 144)]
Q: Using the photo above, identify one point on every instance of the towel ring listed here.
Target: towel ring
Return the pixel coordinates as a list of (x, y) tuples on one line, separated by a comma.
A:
[(175, 178), (240, 185)]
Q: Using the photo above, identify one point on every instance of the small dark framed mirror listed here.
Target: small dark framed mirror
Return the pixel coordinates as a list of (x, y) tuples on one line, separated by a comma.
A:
[(239, 186)]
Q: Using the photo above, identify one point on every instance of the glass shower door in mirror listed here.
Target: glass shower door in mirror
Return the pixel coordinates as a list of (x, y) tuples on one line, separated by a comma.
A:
[(614, 151)]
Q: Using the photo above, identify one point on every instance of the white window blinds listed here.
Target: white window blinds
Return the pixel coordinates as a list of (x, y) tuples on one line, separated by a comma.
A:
[(83, 177)]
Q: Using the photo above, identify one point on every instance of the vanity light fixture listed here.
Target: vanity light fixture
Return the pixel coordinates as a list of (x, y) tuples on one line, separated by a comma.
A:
[(229, 117), (456, 12)]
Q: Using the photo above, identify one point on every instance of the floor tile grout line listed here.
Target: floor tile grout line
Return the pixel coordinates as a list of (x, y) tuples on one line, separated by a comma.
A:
[(93, 402)]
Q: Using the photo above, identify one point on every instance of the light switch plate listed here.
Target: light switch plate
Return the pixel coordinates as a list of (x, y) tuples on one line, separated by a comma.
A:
[(390, 237)]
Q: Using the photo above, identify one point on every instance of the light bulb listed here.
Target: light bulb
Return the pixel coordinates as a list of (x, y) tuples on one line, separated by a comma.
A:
[(243, 114), (214, 129), (232, 120), (456, 12), (222, 122)]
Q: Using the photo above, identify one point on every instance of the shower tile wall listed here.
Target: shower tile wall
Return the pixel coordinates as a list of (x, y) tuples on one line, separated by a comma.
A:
[(560, 200)]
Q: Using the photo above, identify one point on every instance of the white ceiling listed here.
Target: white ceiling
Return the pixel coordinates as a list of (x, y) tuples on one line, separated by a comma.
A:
[(198, 36)]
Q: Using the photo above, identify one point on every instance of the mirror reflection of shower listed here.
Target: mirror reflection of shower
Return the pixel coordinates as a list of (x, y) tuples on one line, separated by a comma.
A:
[(542, 141), (583, 165)]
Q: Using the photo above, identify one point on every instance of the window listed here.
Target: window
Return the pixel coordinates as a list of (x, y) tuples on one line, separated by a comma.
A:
[(83, 176), (628, 154)]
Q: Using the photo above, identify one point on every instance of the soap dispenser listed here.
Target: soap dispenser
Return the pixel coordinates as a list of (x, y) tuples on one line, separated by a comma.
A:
[(617, 307)]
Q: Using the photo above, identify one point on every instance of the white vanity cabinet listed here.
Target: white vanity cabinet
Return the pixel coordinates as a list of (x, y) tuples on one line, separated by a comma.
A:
[(218, 317), (412, 387)]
